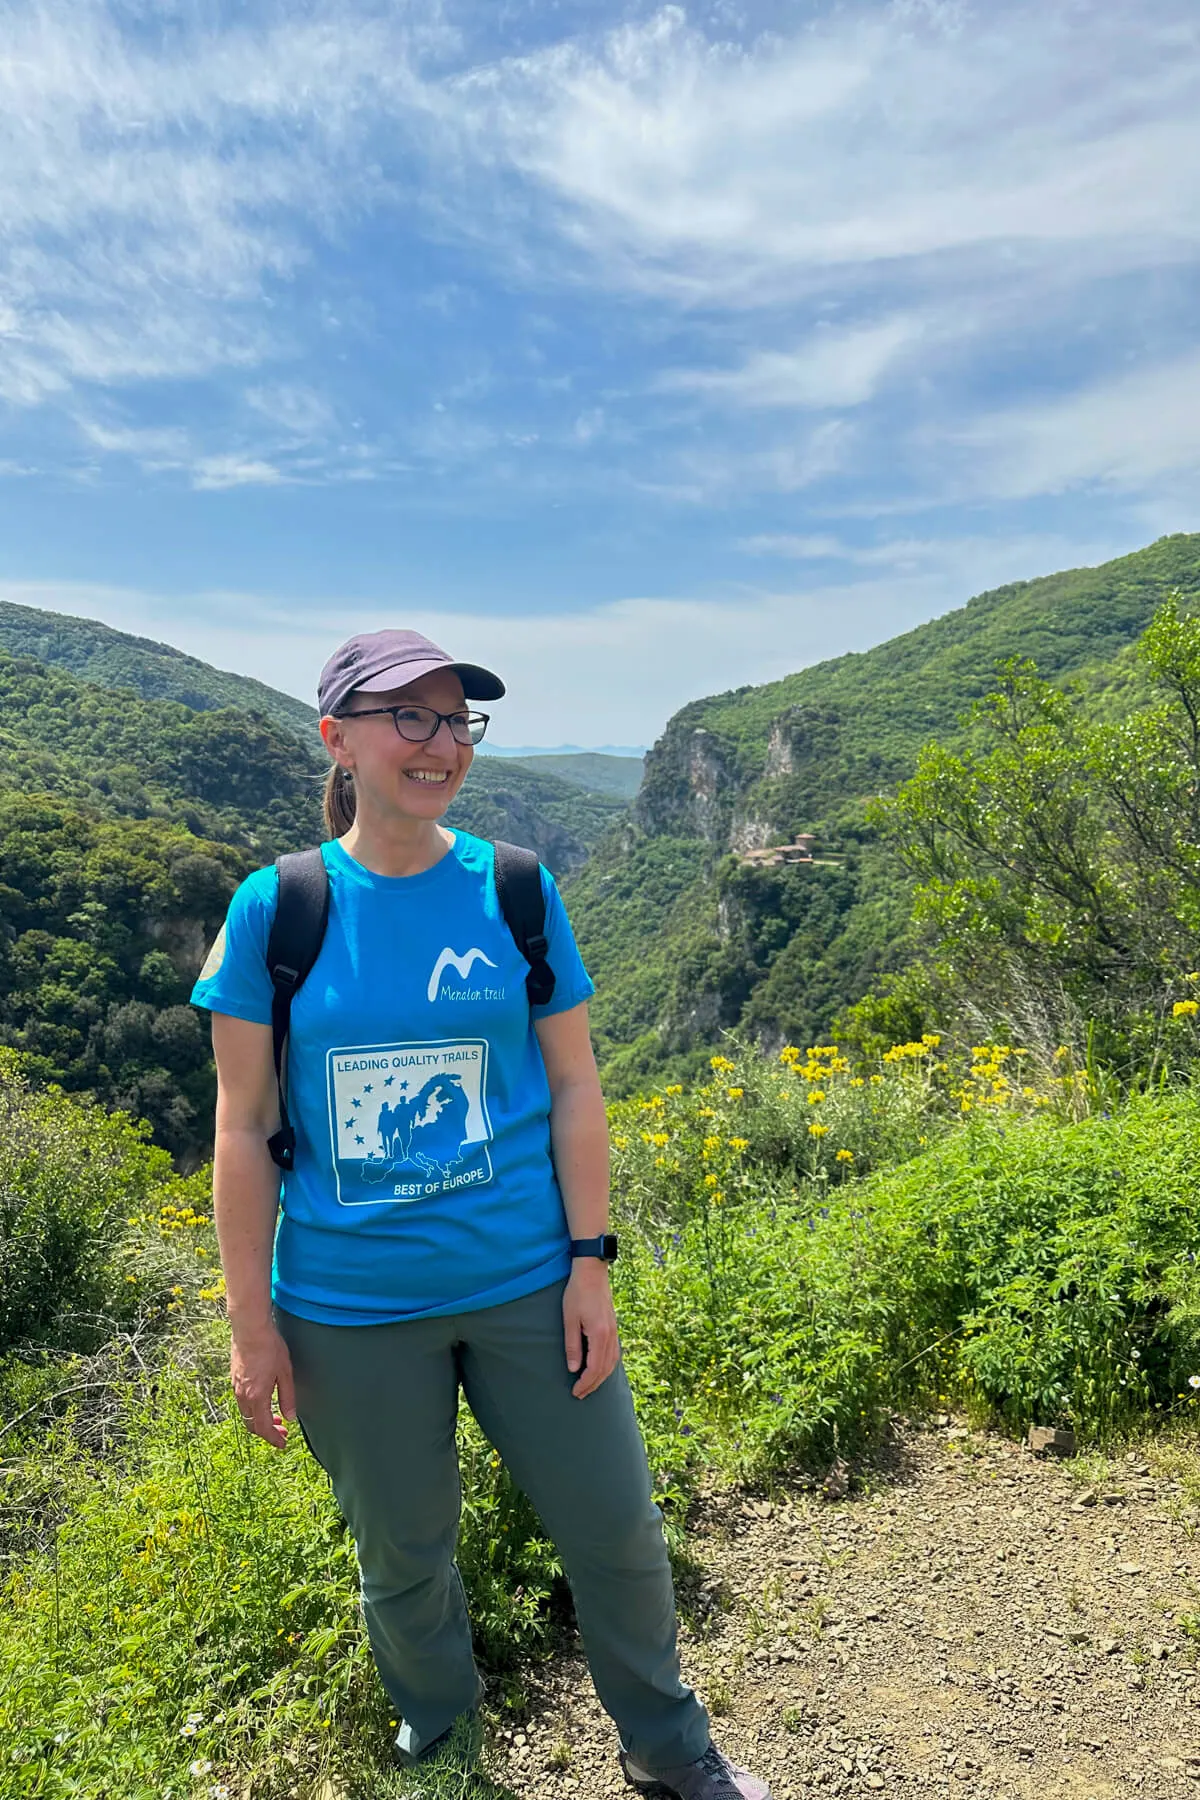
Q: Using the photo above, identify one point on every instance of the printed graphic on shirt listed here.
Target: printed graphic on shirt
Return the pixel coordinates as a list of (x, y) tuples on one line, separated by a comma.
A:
[(409, 1121), (215, 957), (442, 988)]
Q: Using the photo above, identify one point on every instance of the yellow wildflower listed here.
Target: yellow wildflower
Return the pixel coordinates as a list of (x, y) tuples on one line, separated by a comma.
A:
[(1183, 1009), (735, 1093), (720, 1064), (817, 1131), (844, 1156), (815, 1097), (711, 1180), (739, 1143)]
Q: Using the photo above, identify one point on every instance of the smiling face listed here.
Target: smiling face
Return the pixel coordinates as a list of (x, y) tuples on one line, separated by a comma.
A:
[(392, 776)]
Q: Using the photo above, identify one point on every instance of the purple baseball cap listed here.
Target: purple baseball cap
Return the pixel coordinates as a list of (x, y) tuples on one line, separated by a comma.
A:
[(375, 661)]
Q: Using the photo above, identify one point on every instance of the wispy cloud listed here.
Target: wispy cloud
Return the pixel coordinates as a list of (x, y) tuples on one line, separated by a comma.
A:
[(834, 368), (872, 135), (235, 471), (293, 408), (158, 176), (1123, 432)]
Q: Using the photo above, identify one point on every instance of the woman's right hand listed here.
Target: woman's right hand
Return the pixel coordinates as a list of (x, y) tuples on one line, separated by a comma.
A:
[(260, 1367)]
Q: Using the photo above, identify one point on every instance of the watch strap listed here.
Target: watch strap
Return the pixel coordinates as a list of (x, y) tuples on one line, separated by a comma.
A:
[(604, 1247)]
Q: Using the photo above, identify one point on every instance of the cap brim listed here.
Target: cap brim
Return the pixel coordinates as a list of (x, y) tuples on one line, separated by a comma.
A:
[(477, 683)]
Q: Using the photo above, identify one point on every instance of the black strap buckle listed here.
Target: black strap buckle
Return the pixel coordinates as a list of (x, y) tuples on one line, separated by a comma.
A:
[(282, 1147)]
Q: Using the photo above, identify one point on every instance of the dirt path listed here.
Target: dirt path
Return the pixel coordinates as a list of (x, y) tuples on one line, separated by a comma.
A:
[(969, 1621)]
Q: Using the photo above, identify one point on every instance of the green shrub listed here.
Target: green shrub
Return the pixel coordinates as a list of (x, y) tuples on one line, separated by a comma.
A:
[(1040, 1270), (70, 1174)]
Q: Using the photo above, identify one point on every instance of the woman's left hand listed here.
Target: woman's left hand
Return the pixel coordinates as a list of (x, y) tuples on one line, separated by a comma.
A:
[(588, 1313)]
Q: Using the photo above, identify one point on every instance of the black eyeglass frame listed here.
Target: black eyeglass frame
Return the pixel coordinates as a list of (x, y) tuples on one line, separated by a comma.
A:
[(439, 718)]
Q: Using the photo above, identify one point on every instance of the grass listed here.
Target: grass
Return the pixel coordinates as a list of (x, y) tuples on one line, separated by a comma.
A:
[(180, 1609)]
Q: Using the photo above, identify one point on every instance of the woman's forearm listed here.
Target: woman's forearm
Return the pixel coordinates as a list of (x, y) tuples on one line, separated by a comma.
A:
[(579, 1140), (245, 1207)]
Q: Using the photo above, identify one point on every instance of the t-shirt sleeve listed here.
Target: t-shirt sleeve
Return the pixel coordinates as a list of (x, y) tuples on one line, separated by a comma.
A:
[(572, 983), (234, 978)]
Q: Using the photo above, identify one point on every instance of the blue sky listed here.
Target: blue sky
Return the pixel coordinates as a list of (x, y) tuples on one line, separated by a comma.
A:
[(641, 351)]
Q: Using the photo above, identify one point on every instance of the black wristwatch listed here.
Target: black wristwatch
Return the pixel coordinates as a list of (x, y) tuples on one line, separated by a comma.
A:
[(604, 1247)]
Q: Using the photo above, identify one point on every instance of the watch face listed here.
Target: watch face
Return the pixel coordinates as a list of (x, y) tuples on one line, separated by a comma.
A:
[(608, 1248)]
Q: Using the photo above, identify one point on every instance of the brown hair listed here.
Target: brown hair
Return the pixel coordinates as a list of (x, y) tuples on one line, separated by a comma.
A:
[(339, 801)]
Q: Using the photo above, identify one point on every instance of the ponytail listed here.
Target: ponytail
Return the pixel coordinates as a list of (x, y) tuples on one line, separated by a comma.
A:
[(339, 801)]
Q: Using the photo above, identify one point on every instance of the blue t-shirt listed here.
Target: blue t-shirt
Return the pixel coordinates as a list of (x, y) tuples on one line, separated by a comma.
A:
[(423, 1181)]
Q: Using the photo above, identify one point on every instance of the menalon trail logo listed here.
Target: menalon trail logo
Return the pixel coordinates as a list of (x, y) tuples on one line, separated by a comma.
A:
[(450, 959)]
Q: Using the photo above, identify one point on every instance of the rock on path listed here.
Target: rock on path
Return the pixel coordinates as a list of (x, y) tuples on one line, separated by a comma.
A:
[(968, 1621)]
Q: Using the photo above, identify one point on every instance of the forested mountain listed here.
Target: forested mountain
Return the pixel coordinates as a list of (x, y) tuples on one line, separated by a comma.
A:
[(685, 937), (115, 659), (226, 774)]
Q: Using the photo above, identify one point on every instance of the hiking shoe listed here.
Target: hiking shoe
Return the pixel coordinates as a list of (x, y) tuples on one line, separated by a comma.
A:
[(714, 1777)]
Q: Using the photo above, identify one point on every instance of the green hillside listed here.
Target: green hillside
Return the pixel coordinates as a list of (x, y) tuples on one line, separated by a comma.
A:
[(225, 774), (618, 776), (115, 659), (711, 942)]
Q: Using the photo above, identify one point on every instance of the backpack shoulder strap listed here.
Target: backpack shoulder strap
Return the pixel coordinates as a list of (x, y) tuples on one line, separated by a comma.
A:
[(523, 903), (297, 932)]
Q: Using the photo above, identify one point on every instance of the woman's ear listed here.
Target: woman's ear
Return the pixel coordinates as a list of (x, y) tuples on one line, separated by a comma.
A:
[(334, 738)]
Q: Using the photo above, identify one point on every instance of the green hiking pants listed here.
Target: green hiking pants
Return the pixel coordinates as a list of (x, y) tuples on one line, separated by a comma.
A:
[(377, 1404)]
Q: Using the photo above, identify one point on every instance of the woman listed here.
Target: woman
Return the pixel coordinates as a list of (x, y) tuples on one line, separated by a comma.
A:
[(442, 1223)]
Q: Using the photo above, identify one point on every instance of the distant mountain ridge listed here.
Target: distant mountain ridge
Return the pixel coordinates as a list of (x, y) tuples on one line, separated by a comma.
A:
[(528, 750), (684, 940), (620, 776)]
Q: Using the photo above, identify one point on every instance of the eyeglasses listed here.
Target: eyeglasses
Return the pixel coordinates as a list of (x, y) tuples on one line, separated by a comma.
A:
[(417, 724)]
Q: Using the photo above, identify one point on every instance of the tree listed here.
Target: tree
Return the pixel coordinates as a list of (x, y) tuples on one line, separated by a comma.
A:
[(1062, 855)]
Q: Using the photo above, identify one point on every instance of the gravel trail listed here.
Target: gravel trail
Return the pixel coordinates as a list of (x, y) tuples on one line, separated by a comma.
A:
[(967, 1620)]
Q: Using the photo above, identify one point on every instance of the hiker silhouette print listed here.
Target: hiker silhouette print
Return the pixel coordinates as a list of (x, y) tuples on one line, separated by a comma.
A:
[(409, 1121)]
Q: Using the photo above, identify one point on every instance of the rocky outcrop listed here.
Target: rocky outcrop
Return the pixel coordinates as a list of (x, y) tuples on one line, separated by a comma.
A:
[(749, 831), (512, 817), (689, 785), (798, 736), (698, 784)]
